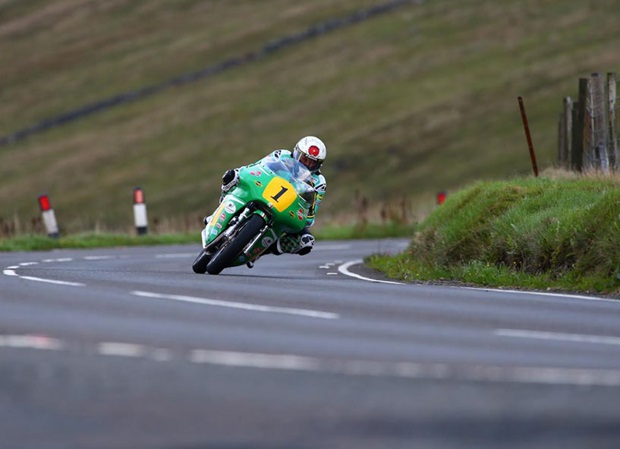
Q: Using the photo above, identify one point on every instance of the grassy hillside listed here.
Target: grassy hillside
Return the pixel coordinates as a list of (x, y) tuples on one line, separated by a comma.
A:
[(415, 101)]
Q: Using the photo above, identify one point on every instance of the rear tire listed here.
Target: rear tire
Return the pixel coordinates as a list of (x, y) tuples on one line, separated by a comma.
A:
[(226, 255), (200, 263)]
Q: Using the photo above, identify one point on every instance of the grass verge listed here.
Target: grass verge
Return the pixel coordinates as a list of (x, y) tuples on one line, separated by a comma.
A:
[(91, 240), (537, 233), (37, 242)]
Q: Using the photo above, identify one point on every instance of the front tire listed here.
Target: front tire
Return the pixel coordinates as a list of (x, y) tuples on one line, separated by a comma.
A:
[(200, 263), (225, 256)]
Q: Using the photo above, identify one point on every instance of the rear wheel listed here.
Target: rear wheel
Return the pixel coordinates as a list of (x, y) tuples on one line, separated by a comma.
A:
[(227, 254), (200, 263)]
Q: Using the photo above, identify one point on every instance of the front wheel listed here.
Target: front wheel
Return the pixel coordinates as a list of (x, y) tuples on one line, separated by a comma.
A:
[(200, 263), (225, 256)]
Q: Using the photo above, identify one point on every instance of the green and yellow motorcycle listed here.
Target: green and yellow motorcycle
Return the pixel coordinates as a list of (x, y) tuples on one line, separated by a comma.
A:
[(273, 197)]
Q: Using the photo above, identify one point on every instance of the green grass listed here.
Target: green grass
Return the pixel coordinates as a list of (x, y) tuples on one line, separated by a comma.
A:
[(410, 103), (39, 242), (538, 233)]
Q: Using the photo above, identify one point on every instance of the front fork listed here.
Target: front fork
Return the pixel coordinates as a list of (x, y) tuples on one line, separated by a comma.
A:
[(265, 244), (232, 228), (226, 233)]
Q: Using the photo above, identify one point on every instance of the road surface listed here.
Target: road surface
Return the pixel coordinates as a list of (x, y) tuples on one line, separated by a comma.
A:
[(128, 348)]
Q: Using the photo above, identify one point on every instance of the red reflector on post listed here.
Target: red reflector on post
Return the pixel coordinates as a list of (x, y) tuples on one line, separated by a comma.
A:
[(441, 197), (138, 196), (44, 203)]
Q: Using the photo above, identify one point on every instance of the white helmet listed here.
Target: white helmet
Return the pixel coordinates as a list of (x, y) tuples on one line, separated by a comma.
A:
[(311, 152)]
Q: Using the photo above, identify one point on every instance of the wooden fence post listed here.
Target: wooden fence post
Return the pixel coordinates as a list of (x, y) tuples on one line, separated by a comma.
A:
[(588, 156), (579, 137), (565, 134), (612, 136), (600, 123), (561, 141)]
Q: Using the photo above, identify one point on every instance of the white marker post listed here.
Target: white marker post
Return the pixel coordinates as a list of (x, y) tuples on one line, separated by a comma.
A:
[(139, 211), (49, 218)]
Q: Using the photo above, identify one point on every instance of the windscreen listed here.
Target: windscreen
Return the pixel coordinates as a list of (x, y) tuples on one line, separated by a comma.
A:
[(294, 172)]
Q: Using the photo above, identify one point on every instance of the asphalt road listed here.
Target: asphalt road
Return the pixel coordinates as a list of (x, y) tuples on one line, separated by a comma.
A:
[(128, 348)]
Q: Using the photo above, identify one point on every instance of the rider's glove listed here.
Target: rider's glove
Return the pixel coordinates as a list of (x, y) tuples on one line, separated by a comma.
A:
[(230, 179)]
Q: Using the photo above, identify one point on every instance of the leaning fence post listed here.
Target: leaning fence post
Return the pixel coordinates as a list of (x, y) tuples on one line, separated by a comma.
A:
[(528, 136)]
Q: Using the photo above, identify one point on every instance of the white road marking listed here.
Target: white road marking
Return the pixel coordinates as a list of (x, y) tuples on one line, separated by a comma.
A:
[(248, 360), (240, 305), (411, 370), (344, 269), (52, 281), (65, 259), (10, 271), (99, 257), (31, 342), (573, 338), (291, 362), (557, 295), (121, 349)]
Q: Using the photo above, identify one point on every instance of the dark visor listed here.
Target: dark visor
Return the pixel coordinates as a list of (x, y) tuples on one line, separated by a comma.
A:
[(310, 163)]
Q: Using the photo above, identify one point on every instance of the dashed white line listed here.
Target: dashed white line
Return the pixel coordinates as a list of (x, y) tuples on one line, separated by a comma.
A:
[(249, 360), (133, 350), (121, 349), (292, 362), (553, 336), (240, 305), (411, 370), (52, 281), (536, 293), (31, 342)]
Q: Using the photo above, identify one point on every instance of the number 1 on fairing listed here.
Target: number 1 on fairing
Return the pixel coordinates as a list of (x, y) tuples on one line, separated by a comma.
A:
[(279, 194)]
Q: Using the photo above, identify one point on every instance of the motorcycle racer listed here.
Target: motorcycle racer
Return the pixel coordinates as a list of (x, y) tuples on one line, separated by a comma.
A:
[(311, 152)]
